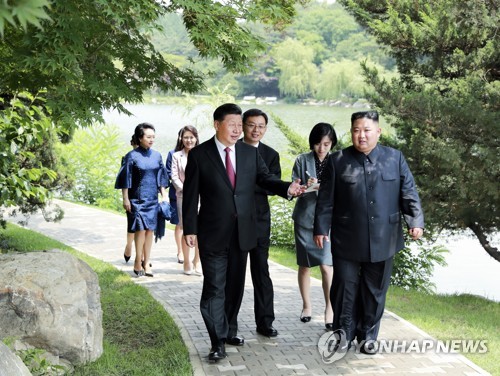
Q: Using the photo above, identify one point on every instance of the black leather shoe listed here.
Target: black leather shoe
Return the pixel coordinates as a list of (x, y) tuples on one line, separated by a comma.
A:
[(341, 346), (217, 353), (235, 341), (329, 326), (368, 347), (268, 332), (126, 258)]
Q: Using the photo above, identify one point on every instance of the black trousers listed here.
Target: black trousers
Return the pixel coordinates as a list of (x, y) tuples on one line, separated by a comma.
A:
[(358, 296), (223, 287), (235, 284), (263, 291)]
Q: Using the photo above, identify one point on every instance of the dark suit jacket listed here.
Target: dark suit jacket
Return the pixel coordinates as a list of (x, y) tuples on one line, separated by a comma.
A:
[(272, 160), (221, 207), (362, 198)]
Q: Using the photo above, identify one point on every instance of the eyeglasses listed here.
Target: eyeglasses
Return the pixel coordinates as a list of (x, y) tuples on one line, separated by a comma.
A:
[(253, 125)]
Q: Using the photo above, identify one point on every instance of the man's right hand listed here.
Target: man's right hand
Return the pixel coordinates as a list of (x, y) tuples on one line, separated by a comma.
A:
[(320, 239), (190, 240)]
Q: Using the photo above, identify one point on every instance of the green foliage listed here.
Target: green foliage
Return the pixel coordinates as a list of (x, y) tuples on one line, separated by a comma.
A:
[(340, 78), (282, 234), (27, 164), (24, 12), (216, 31), (111, 59), (38, 365), (413, 268), (92, 161), (297, 143), (298, 74), (458, 316), (444, 105)]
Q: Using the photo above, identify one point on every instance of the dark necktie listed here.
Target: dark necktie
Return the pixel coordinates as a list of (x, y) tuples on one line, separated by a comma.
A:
[(229, 168)]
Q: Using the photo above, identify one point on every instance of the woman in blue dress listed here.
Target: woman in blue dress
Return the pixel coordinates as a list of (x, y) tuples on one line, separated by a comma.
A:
[(141, 177)]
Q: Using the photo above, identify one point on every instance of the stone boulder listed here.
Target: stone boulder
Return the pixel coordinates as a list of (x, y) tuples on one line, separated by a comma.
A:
[(51, 300), (10, 363)]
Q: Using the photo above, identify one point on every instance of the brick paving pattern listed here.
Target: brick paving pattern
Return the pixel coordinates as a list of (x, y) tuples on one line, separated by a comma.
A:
[(294, 352)]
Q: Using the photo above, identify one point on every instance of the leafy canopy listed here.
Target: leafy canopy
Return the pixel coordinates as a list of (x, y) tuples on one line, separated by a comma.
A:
[(95, 55), (445, 103), (66, 61)]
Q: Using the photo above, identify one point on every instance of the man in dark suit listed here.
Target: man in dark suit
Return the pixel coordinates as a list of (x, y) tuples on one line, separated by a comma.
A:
[(254, 128), (221, 175), (366, 189)]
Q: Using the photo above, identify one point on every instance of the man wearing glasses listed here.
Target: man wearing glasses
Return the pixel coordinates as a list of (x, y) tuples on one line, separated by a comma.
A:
[(254, 128)]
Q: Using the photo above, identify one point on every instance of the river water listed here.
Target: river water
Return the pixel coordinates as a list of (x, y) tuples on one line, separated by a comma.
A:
[(470, 269)]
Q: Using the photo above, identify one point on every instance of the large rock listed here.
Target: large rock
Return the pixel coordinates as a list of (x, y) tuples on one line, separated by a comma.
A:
[(11, 364), (51, 300)]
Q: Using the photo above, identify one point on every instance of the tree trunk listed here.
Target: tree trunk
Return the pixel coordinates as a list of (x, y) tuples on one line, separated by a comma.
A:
[(492, 251)]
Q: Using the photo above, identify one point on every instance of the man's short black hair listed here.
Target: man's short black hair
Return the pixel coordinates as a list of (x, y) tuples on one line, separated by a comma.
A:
[(254, 112), (372, 115), (226, 109)]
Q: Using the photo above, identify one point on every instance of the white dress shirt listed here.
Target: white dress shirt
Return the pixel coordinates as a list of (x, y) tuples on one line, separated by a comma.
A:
[(222, 152)]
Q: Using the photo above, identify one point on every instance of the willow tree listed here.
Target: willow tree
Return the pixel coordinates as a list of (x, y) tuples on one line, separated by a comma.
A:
[(297, 72), (64, 62), (445, 103)]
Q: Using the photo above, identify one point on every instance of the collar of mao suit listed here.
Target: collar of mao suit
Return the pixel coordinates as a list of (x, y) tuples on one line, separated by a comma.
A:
[(371, 157)]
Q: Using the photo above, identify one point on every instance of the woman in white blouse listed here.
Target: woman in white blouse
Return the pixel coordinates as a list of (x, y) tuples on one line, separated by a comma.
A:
[(188, 139)]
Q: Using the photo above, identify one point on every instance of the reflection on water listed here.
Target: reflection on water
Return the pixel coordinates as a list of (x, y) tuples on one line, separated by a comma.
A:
[(470, 269)]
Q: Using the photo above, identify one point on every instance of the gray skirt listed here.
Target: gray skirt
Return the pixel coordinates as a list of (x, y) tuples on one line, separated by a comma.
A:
[(308, 254)]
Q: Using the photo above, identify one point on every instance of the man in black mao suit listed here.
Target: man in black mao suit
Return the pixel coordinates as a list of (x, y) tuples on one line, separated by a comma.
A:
[(254, 128), (225, 225), (367, 188)]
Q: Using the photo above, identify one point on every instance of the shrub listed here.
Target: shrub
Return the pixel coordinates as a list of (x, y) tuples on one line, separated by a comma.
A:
[(281, 222), (413, 267), (27, 165), (92, 160)]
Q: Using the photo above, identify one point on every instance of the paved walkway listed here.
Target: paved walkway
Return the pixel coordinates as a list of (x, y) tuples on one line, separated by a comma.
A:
[(294, 352)]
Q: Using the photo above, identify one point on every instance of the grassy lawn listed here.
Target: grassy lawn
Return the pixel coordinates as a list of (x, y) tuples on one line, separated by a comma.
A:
[(445, 317), (140, 337)]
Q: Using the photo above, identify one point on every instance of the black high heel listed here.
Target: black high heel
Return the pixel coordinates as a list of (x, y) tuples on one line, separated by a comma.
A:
[(328, 325), (139, 273), (304, 318), (147, 274), (126, 258)]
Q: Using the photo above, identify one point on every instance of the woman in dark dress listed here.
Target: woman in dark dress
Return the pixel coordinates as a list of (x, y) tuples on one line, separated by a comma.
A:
[(309, 167), (141, 177)]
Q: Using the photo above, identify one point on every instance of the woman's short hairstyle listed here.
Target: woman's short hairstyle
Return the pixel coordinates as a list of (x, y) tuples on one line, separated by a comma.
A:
[(319, 131), (139, 131)]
